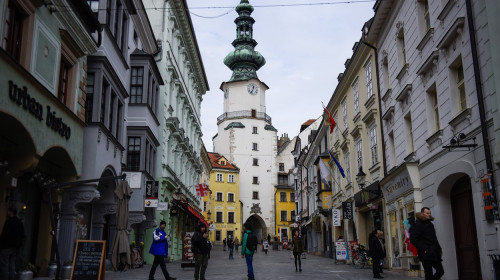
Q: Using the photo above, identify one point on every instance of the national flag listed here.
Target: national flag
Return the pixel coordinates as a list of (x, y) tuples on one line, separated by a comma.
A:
[(202, 190), (324, 172), (329, 121), (337, 163)]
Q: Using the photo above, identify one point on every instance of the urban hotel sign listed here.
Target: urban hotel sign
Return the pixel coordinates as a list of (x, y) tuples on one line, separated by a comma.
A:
[(20, 96)]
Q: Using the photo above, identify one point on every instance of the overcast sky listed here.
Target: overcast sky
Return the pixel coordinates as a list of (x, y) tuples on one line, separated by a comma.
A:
[(305, 47)]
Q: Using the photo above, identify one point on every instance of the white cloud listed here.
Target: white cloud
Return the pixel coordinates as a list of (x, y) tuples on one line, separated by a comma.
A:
[(305, 48)]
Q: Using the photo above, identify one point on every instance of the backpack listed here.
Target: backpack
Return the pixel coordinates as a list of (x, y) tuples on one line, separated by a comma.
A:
[(251, 242)]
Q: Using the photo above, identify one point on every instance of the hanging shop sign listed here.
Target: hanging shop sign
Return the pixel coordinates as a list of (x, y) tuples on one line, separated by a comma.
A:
[(162, 206), (152, 189), (20, 96), (151, 203), (134, 179), (347, 210), (336, 217)]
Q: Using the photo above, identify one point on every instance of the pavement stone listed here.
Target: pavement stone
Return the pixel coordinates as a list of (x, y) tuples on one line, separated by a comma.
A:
[(275, 265)]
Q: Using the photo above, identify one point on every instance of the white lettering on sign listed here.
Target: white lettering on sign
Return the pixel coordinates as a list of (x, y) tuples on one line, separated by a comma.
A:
[(336, 217)]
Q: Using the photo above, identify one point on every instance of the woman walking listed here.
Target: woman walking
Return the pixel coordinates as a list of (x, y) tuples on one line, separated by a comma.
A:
[(297, 248)]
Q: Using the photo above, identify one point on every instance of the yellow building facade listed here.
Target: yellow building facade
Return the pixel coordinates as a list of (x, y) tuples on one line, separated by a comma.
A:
[(223, 206), (284, 201)]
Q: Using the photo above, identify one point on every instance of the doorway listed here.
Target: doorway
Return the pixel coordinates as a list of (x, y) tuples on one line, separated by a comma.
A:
[(464, 228)]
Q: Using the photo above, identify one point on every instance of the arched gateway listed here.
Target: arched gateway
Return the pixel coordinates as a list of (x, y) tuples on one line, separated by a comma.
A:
[(258, 226)]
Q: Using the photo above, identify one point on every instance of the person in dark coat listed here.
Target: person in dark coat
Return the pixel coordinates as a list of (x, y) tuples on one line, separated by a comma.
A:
[(423, 237), (11, 240), (200, 245), (298, 249), (376, 252), (159, 248)]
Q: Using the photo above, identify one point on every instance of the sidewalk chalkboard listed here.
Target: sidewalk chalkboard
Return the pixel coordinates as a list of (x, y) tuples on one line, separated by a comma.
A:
[(88, 262)]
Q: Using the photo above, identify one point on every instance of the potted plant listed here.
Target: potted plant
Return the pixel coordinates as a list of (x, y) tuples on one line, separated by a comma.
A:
[(28, 270), (51, 269), (66, 269)]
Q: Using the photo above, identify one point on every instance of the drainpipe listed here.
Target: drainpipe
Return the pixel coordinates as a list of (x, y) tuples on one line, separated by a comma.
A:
[(275, 214), (479, 91)]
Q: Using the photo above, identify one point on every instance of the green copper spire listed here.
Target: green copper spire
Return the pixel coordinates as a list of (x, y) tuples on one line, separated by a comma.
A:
[(244, 60)]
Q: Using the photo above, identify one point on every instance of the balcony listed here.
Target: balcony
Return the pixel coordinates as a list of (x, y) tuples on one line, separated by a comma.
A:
[(244, 114)]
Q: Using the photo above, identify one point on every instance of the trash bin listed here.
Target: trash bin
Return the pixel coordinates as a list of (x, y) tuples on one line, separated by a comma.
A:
[(496, 265)]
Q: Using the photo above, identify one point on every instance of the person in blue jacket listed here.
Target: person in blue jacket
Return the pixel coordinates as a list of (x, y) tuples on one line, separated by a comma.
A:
[(159, 248)]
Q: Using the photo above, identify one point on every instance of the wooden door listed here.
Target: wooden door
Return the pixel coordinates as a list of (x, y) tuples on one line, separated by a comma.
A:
[(464, 227)]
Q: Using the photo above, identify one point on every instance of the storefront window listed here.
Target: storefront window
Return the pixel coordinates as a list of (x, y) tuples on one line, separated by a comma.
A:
[(395, 240)]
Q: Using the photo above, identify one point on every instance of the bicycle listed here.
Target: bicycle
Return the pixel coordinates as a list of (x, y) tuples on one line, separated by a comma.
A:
[(360, 258)]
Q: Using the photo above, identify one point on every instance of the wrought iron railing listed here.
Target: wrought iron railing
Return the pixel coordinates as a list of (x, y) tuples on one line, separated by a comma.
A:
[(244, 114)]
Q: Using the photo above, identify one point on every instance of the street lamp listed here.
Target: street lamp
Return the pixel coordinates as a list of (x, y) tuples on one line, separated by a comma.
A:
[(360, 179)]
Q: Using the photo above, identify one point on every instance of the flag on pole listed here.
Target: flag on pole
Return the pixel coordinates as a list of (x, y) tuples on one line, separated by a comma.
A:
[(329, 121), (337, 163), (324, 172), (202, 190)]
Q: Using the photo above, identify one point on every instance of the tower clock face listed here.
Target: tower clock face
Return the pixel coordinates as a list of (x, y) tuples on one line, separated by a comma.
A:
[(252, 89), (226, 93)]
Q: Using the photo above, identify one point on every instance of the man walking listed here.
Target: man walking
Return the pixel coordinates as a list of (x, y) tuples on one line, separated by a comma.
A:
[(423, 237), (159, 248), (200, 246), (10, 241), (230, 246), (377, 252), (246, 252)]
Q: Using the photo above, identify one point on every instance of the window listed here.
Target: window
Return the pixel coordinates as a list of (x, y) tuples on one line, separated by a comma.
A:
[(13, 31), (402, 46), (94, 5), (385, 67), (433, 109), (134, 154), (336, 128), (392, 149), (255, 195), (230, 217), (359, 153), (230, 178), (219, 196), (218, 177), (254, 130), (427, 19), (292, 197), (111, 107), (292, 215), (282, 180), (282, 166), (218, 217), (284, 216), (204, 206), (344, 114), (136, 85), (222, 162), (462, 101), (117, 18), (255, 180), (105, 87), (230, 197), (64, 75), (373, 144), (282, 196), (218, 235), (89, 100), (254, 147), (108, 13), (255, 162), (347, 167), (369, 84), (409, 133), (356, 97)]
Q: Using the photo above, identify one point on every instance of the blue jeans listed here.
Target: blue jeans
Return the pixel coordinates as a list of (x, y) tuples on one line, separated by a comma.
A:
[(159, 260), (8, 263), (249, 259)]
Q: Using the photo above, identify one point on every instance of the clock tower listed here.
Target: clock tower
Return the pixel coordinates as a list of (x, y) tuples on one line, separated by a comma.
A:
[(246, 136)]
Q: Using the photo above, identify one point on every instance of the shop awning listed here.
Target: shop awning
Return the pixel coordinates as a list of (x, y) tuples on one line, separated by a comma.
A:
[(194, 213)]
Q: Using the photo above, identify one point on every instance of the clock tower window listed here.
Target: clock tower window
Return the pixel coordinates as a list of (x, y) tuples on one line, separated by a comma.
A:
[(254, 113)]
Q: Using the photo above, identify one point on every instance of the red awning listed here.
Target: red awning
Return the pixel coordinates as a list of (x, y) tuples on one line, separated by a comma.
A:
[(195, 213)]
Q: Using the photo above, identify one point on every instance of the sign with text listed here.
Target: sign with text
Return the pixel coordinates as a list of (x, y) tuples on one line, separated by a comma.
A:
[(341, 250), (162, 206), (152, 189), (336, 217), (347, 210), (134, 179), (88, 261), (151, 203)]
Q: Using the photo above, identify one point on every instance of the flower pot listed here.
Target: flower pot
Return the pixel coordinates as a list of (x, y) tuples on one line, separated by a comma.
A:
[(66, 272), (51, 270), (25, 275)]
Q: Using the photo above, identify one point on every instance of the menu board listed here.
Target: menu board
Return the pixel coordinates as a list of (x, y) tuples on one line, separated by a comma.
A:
[(187, 254), (88, 261)]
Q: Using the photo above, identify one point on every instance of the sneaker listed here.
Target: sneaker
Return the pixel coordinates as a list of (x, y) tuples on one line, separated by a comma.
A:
[(300, 269)]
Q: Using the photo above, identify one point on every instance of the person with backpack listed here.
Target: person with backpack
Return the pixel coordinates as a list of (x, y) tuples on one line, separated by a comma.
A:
[(200, 246), (248, 247), (230, 247)]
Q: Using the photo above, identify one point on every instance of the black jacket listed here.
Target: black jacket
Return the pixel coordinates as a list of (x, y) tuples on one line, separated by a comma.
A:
[(377, 251), (200, 245), (423, 237), (12, 234)]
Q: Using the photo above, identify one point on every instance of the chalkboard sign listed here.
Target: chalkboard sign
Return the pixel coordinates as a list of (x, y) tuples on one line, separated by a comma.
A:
[(88, 262)]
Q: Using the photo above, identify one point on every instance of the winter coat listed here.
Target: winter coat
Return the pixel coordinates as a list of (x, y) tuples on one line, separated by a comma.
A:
[(199, 244), (12, 234), (244, 249), (423, 237), (159, 247), (297, 245), (376, 249)]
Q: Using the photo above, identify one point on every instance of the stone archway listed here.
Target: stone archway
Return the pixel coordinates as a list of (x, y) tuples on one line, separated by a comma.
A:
[(259, 227)]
